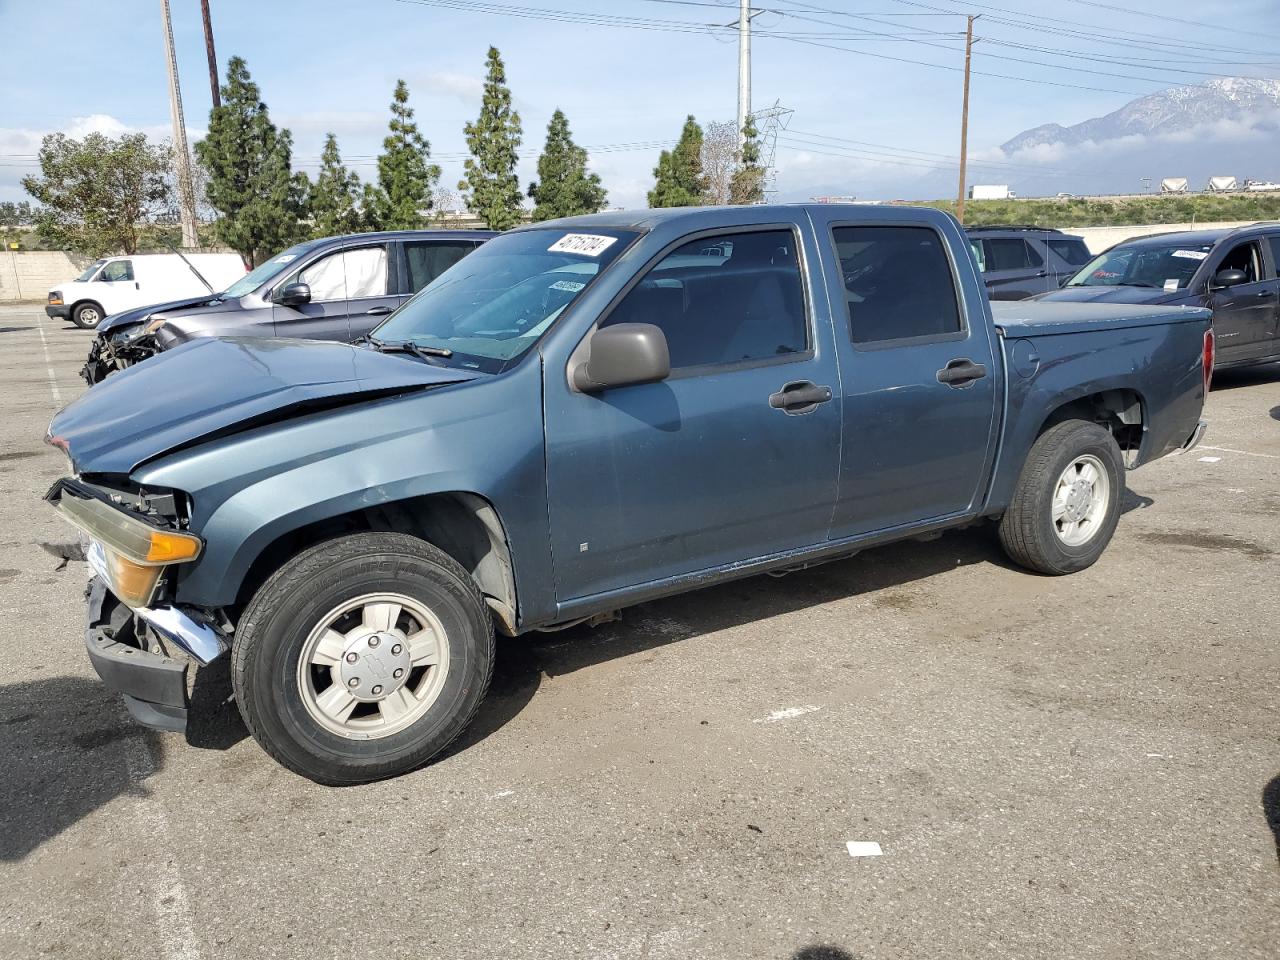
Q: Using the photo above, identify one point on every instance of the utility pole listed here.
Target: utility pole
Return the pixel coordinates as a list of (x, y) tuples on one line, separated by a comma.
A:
[(213, 57), (744, 67), (186, 195), (964, 118)]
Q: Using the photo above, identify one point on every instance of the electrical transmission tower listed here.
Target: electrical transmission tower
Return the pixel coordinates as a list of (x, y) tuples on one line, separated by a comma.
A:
[(771, 121)]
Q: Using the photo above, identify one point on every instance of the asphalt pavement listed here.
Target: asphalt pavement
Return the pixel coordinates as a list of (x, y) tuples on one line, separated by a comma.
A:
[(1078, 767)]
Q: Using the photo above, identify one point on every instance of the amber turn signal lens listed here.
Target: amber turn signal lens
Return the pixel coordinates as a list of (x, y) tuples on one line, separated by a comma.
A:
[(172, 547)]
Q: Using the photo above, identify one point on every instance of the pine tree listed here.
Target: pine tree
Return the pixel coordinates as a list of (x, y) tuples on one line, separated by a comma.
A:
[(251, 184), (564, 187), (679, 179), (406, 178), (335, 198), (493, 140), (747, 185)]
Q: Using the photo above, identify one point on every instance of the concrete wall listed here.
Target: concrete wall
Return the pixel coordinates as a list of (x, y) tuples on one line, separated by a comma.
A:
[(28, 274), (1102, 238)]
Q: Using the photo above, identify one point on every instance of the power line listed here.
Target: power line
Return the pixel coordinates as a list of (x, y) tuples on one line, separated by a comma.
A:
[(1166, 18)]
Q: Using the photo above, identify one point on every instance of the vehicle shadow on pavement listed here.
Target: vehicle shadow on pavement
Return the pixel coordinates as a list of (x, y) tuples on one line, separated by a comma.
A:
[(1245, 377), (66, 749), (213, 719), (1271, 810), (822, 951)]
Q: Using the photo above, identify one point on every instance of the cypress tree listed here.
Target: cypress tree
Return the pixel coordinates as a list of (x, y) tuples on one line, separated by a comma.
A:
[(493, 141), (335, 198), (251, 183), (679, 179), (406, 178), (747, 185), (564, 187)]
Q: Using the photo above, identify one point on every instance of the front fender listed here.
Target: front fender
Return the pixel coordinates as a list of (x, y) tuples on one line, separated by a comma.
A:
[(482, 437)]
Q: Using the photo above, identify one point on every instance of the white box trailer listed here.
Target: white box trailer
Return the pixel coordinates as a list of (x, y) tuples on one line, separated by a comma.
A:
[(991, 191), (1174, 185), (1222, 184), (113, 284)]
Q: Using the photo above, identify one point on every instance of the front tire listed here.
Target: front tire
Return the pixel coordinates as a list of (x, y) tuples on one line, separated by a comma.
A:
[(87, 316), (1067, 502), (362, 658)]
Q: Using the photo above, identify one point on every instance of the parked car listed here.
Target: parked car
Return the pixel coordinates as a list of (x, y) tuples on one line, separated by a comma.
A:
[(1234, 273), (583, 415), (1019, 262), (114, 284), (337, 288)]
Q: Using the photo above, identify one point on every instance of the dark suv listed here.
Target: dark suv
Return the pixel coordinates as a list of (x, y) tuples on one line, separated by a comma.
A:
[(1235, 273), (334, 288), (1020, 262)]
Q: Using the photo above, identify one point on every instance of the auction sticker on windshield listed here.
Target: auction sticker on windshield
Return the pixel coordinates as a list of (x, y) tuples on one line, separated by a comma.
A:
[(1190, 254), (587, 244)]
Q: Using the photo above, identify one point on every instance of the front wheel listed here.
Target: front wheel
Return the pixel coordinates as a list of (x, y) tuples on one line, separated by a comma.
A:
[(362, 658), (86, 315), (1067, 502)]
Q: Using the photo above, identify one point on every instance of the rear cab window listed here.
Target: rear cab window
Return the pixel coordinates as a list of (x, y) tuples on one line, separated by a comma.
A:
[(898, 284)]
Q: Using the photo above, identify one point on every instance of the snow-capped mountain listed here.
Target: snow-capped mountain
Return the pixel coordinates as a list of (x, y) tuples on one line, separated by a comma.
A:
[(1166, 113)]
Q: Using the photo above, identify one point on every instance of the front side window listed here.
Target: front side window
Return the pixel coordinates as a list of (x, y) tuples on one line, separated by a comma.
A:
[(1246, 257), (326, 278), (428, 259), (1275, 256), (1070, 249), (721, 300), (117, 270), (1165, 266), (1015, 254), (898, 283), (493, 305)]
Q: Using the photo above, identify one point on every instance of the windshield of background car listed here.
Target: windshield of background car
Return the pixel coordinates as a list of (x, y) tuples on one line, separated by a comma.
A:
[(1165, 267), (265, 271), (494, 304), (88, 274)]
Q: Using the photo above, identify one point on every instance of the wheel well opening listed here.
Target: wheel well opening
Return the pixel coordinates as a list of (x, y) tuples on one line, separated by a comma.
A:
[(1119, 411), (463, 525)]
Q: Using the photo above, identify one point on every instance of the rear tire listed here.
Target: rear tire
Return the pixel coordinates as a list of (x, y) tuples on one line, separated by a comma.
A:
[(87, 316), (1067, 502), (365, 614)]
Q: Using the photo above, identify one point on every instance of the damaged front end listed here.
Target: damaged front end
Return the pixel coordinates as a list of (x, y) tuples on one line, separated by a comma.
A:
[(140, 642), (117, 350)]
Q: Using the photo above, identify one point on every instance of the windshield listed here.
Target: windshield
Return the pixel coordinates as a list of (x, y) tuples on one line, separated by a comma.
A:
[(88, 274), (1166, 267), (265, 271), (493, 305)]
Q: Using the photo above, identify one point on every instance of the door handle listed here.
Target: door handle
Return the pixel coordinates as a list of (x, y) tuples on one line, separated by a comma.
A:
[(961, 372), (799, 396), (377, 311), (1266, 293)]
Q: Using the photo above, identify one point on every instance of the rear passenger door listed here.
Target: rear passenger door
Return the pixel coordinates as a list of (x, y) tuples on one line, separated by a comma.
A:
[(421, 261), (920, 381), (1015, 269)]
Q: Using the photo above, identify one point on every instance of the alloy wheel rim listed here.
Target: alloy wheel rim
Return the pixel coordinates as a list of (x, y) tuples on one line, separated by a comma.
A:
[(1081, 499), (373, 666)]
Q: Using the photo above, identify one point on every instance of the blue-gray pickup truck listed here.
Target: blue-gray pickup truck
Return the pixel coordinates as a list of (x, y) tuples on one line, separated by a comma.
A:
[(582, 415)]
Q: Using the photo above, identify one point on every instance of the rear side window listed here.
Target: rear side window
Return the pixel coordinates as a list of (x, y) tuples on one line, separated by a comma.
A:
[(722, 300), (1012, 254), (898, 283), (1070, 249), (1275, 256), (428, 259)]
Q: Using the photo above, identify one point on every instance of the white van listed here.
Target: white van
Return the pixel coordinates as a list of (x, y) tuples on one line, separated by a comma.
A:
[(113, 284)]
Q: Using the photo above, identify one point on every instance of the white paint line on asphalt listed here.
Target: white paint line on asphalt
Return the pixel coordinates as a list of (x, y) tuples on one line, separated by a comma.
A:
[(170, 902), (1210, 459), (1247, 453), (48, 365), (501, 793), (787, 714), (863, 848)]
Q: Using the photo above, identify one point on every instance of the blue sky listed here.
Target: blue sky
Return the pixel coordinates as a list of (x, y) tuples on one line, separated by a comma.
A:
[(75, 65)]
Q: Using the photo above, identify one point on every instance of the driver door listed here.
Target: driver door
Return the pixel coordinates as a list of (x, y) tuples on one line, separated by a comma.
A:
[(1243, 315)]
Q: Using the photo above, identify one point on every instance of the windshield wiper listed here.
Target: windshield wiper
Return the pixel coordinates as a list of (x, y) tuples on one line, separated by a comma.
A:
[(415, 349), (1137, 283)]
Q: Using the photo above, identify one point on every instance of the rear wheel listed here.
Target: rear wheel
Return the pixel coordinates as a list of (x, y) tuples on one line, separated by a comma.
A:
[(1067, 503), (86, 315), (362, 658)]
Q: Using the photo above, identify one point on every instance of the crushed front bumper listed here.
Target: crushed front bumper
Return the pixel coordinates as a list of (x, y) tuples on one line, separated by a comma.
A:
[(154, 686)]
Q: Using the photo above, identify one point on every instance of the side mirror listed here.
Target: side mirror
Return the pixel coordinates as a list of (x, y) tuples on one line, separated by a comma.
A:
[(1229, 278), (295, 294), (623, 354)]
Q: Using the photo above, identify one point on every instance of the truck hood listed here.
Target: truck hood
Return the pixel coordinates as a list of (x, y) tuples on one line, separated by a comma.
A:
[(214, 386), (1101, 294), (127, 318)]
